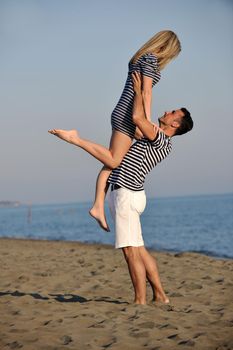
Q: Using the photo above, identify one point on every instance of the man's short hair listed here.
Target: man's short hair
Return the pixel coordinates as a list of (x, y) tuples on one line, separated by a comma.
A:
[(186, 123)]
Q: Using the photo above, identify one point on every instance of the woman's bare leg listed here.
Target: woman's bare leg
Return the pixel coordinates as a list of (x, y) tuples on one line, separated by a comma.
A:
[(111, 158), (97, 210), (152, 275), (119, 146)]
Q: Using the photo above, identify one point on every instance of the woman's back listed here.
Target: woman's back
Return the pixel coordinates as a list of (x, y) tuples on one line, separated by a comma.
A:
[(121, 118)]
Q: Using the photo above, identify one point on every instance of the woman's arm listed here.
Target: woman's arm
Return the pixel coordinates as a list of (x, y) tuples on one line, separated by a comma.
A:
[(147, 95)]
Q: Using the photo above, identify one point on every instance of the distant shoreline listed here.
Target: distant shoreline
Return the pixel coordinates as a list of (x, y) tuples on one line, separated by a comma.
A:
[(110, 246), (204, 195), (9, 204)]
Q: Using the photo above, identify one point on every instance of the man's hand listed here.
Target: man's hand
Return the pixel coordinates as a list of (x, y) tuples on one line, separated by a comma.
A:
[(137, 82), (139, 135)]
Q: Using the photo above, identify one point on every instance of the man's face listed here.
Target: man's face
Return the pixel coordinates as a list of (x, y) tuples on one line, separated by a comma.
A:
[(171, 118)]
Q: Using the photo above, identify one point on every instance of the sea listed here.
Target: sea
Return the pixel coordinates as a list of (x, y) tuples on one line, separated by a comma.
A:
[(202, 224)]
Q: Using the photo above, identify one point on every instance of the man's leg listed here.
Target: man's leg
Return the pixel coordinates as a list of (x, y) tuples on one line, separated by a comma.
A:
[(128, 235), (137, 273), (153, 276)]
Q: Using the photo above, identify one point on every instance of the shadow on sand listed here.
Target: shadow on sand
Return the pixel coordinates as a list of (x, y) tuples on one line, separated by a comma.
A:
[(63, 298)]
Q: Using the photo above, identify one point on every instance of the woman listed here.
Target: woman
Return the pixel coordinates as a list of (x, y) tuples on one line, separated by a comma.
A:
[(149, 60)]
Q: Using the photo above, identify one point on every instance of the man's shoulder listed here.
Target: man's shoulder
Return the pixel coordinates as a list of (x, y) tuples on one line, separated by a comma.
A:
[(161, 140)]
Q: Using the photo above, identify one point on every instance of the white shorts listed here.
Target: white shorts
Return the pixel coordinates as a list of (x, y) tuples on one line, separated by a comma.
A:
[(126, 207)]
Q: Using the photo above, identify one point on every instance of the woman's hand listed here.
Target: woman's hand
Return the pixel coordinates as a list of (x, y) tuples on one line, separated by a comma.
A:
[(137, 82), (138, 134)]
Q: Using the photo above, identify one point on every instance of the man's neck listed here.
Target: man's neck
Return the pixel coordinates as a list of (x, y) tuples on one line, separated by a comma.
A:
[(167, 130)]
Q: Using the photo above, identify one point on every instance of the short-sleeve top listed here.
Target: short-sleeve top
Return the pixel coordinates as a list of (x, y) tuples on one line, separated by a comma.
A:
[(121, 118), (141, 158)]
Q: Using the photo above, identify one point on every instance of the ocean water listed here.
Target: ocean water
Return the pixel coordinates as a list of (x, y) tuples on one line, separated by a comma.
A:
[(195, 223)]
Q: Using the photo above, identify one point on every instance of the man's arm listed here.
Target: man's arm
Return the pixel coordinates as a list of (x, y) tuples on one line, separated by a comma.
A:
[(147, 95), (148, 129)]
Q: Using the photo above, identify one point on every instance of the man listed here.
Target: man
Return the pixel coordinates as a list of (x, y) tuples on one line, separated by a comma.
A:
[(127, 197)]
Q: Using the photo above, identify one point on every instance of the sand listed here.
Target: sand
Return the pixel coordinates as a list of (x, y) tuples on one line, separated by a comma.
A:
[(68, 295)]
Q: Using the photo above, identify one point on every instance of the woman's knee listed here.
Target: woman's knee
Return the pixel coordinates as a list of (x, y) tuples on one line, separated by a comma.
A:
[(135, 119), (116, 161)]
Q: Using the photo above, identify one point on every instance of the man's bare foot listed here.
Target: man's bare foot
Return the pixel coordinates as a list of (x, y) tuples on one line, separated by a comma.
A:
[(161, 298), (70, 136), (100, 218), (139, 302)]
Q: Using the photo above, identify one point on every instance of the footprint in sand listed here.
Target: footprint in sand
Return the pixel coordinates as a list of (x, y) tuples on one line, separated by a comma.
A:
[(23, 278), (16, 312), (14, 330), (194, 286), (219, 280), (101, 267), (98, 325), (167, 326), (96, 286), (46, 322), (105, 346), (173, 336), (188, 342), (66, 339), (176, 294), (150, 325), (198, 334), (134, 334), (166, 307), (187, 309), (206, 278), (15, 345)]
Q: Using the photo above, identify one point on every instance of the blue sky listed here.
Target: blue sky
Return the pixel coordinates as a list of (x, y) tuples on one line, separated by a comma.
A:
[(64, 65)]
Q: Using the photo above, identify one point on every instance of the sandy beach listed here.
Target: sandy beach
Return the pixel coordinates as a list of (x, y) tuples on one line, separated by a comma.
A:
[(67, 295)]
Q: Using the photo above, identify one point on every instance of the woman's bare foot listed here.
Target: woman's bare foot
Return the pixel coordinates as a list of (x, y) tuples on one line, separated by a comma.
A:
[(100, 218), (70, 136)]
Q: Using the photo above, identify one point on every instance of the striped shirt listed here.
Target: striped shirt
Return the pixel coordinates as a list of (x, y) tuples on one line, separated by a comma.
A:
[(121, 118), (141, 158)]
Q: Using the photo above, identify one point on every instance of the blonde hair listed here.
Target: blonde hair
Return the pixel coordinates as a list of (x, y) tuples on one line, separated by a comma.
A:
[(165, 45)]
